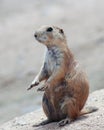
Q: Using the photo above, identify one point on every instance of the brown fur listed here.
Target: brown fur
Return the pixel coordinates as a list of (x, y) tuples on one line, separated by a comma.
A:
[(66, 86)]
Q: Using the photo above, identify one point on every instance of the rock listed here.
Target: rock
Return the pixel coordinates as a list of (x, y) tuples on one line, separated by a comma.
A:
[(93, 121)]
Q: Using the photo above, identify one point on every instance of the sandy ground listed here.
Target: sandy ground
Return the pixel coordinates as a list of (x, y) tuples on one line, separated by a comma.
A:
[(21, 55)]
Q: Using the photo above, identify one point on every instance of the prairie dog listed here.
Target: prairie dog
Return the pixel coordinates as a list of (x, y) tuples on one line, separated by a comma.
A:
[(66, 87)]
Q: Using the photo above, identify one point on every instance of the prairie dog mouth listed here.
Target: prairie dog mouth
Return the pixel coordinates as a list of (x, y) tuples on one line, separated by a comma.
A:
[(41, 38)]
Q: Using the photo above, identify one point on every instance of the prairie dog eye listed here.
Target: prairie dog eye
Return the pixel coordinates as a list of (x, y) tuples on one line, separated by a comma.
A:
[(50, 29)]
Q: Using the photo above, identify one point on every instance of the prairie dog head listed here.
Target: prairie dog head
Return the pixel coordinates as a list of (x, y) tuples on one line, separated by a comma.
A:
[(50, 35)]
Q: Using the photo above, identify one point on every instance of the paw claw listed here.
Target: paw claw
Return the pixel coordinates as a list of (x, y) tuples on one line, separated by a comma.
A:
[(64, 122), (33, 85), (41, 89)]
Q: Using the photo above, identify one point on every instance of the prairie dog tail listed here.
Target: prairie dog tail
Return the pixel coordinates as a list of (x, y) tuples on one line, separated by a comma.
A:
[(88, 110)]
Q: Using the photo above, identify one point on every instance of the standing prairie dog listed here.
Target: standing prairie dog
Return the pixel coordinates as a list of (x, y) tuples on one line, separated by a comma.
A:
[(66, 87)]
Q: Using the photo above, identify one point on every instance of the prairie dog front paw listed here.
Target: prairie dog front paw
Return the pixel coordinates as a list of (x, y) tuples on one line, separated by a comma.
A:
[(33, 84)]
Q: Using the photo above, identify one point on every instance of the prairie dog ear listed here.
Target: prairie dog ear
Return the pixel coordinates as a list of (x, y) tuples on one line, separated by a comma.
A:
[(61, 31)]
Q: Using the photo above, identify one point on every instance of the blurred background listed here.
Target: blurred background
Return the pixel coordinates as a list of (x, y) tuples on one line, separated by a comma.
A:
[(21, 55)]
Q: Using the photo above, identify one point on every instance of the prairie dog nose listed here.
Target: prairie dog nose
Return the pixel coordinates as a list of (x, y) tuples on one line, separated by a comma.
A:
[(35, 35)]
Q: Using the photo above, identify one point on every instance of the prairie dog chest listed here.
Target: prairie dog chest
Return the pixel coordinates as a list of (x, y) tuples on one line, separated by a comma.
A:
[(53, 59)]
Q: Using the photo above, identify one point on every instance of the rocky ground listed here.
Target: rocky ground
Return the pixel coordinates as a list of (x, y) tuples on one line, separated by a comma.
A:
[(21, 56), (93, 121)]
